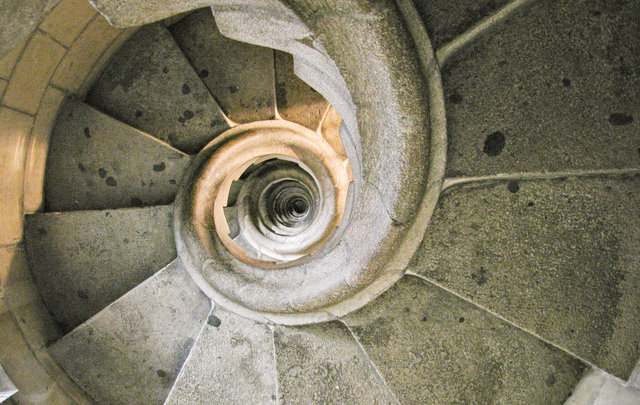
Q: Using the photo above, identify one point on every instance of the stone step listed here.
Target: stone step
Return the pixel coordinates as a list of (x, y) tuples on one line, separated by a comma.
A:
[(83, 261), (132, 351), (98, 162), (150, 85), (557, 257), (432, 347), (553, 88), (232, 362), (240, 76)]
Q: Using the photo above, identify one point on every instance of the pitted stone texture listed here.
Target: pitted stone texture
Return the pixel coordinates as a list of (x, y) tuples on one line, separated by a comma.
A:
[(134, 13), (296, 101), (323, 364), (97, 162), (432, 347), (554, 88), (232, 362), (150, 85), (131, 352), (239, 75), (82, 261), (557, 257), (446, 19), (19, 18)]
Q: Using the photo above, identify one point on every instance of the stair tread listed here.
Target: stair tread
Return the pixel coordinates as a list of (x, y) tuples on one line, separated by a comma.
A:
[(84, 260), (433, 347), (97, 162), (557, 257), (231, 362), (131, 351), (551, 89), (239, 75), (330, 363), (150, 85)]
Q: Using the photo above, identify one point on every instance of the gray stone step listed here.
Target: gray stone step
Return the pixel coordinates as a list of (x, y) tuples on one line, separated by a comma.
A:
[(98, 162), (131, 351), (434, 348), (446, 19), (150, 85), (557, 257), (296, 100), (323, 364), (553, 88), (232, 362), (239, 75), (83, 261)]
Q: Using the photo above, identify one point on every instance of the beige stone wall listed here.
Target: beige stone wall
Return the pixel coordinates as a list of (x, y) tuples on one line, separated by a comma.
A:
[(61, 58)]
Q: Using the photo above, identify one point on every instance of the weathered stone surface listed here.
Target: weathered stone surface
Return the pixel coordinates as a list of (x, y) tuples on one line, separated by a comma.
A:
[(433, 347), (82, 261), (131, 352), (150, 85), (296, 101), (239, 75), (232, 362), (7, 387), (558, 257), (446, 19), (97, 162), (323, 364), (19, 18), (554, 88)]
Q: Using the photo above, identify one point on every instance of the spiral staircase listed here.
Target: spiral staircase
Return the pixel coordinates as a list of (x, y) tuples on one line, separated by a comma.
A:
[(353, 202)]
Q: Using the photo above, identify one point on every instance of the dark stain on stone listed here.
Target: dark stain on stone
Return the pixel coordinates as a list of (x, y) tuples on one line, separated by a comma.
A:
[(125, 241), (159, 167), (138, 113), (461, 319), (111, 182), (186, 89), (620, 119), (551, 380), (424, 319), (87, 133), (165, 70), (106, 214), (102, 173), (376, 333), (42, 231), (136, 202), (530, 204), (566, 82), (480, 277), (513, 186), (204, 73), (172, 181), (81, 167), (214, 321), (494, 143), (455, 98), (181, 120), (233, 89), (161, 373), (83, 295), (188, 114)]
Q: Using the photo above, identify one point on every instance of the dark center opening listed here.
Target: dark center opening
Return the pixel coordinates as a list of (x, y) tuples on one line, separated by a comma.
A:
[(299, 206)]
